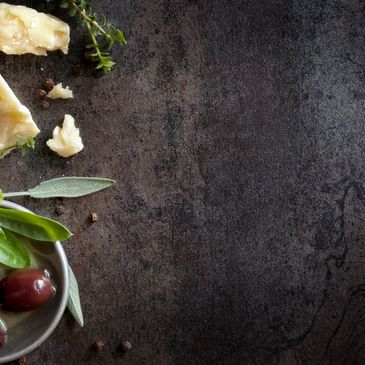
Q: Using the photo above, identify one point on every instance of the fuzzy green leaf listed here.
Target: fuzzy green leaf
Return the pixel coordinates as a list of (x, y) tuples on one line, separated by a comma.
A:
[(74, 303), (69, 187)]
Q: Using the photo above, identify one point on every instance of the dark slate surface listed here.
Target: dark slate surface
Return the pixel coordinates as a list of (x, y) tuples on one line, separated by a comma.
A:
[(236, 233)]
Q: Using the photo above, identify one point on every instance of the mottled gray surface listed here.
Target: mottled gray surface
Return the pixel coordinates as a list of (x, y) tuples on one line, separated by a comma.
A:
[(236, 233)]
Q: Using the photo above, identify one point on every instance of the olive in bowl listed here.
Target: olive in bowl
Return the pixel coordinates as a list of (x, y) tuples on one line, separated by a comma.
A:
[(25, 290), (27, 330)]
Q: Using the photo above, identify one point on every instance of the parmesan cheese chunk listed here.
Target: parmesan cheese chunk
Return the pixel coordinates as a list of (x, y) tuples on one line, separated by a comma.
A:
[(59, 92), (15, 119), (25, 30), (66, 141)]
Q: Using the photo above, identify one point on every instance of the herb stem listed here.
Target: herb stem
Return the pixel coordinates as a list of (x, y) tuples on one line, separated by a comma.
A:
[(20, 193), (82, 13), (93, 39)]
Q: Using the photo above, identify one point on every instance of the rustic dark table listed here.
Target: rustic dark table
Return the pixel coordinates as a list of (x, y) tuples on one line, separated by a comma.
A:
[(236, 233)]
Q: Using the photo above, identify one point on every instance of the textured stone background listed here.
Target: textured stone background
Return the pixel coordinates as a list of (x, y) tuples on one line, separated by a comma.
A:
[(236, 234)]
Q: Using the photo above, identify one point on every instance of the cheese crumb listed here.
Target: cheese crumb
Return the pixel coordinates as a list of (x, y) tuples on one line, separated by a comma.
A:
[(59, 92), (15, 119), (66, 141), (25, 30)]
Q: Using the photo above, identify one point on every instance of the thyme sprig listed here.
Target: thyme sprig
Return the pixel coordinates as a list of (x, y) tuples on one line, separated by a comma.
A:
[(103, 35)]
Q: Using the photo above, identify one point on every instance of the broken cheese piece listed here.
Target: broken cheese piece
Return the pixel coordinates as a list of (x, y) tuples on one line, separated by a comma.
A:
[(15, 119), (59, 92), (66, 141), (25, 30)]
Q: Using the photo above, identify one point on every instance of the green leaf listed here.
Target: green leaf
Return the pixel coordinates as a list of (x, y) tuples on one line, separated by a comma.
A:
[(31, 143), (33, 226), (12, 252), (65, 187), (74, 304), (1, 195), (70, 187), (2, 233)]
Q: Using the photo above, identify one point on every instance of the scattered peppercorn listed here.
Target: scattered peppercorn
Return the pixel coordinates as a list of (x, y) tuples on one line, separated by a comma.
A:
[(60, 209), (23, 360), (93, 217), (48, 84), (126, 346), (99, 345), (44, 104), (40, 93)]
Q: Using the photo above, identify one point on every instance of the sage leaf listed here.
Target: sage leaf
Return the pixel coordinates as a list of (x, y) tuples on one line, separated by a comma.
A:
[(33, 226), (12, 251), (66, 187), (74, 304)]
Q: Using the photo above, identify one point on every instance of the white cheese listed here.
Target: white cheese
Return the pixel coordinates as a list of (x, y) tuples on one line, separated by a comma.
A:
[(15, 119), (24, 30), (59, 92), (66, 141)]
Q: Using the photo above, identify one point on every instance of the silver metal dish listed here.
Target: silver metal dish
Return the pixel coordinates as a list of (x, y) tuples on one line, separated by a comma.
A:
[(38, 325)]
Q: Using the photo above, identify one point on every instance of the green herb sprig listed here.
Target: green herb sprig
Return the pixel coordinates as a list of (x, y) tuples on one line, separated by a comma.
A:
[(103, 35)]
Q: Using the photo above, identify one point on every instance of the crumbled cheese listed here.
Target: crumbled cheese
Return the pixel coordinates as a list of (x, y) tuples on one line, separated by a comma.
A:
[(66, 141), (59, 92), (25, 30), (15, 119)]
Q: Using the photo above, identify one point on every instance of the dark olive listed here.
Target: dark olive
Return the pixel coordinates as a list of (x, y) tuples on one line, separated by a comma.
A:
[(25, 290)]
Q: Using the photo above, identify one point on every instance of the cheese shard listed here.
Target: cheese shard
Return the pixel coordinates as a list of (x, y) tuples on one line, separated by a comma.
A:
[(59, 92), (25, 30), (15, 120), (66, 141)]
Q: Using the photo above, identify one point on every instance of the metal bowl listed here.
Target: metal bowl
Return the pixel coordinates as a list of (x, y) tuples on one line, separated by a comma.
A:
[(38, 325)]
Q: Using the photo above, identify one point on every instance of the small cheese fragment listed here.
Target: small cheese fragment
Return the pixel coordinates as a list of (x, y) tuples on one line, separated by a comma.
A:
[(66, 141), (25, 30), (59, 92), (15, 119)]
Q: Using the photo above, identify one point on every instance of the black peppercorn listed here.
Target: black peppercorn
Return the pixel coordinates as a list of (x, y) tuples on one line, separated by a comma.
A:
[(60, 209), (99, 345), (40, 93), (93, 217), (126, 346), (22, 361), (48, 84)]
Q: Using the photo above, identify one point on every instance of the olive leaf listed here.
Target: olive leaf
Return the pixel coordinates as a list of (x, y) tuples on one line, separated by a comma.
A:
[(74, 304), (12, 251), (65, 187), (33, 226)]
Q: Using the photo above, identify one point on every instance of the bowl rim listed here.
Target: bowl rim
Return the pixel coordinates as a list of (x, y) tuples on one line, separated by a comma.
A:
[(64, 272)]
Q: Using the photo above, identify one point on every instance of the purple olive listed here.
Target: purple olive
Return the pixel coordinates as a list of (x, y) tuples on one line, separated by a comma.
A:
[(25, 290)]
